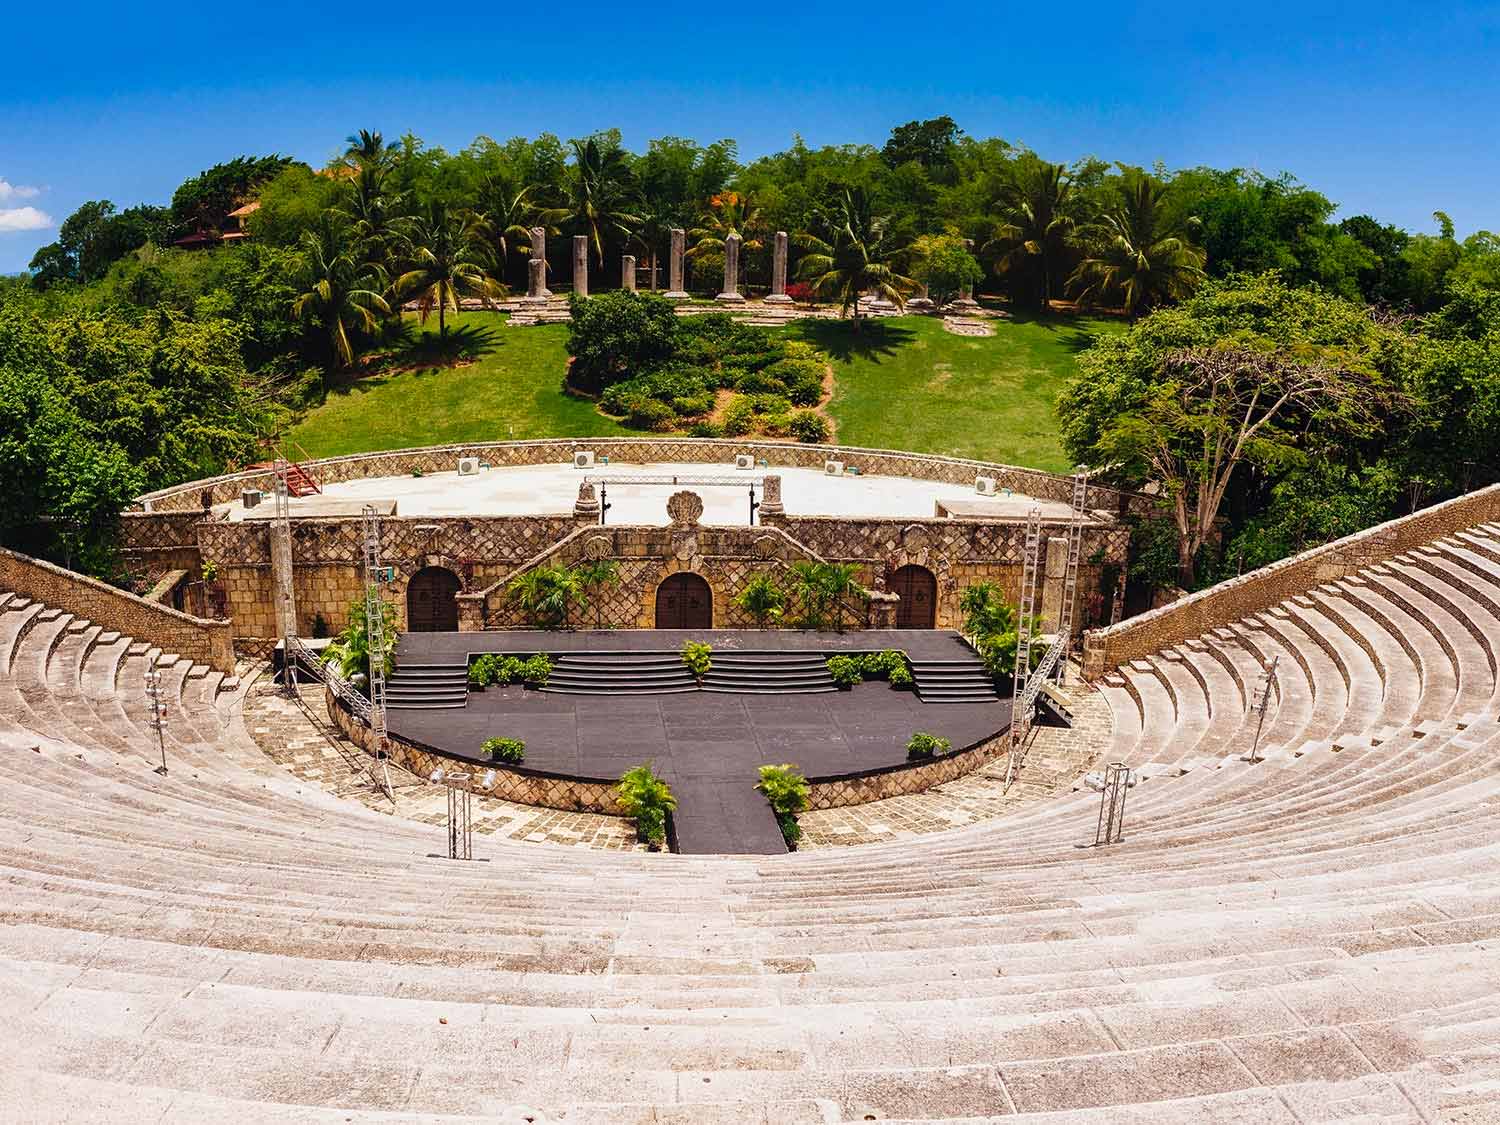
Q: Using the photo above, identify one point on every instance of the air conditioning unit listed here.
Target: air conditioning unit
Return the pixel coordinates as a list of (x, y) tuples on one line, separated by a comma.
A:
[(583, 459), (985, 486), (468, 466), (833, 468), (744, 461)]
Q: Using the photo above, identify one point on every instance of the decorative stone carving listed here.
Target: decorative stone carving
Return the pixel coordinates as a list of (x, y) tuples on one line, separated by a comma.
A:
[(778, 295), (597, 547), (770, 499), (627, 273), (914, 537), (685, 544), (539, 253), (581, 265), (765, 547), (675, 265), (731, 291), (685, 508), (586, 507)]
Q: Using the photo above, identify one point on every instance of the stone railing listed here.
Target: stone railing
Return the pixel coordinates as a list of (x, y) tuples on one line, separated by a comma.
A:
[(1217, 606), (200, 640), (718, 451)]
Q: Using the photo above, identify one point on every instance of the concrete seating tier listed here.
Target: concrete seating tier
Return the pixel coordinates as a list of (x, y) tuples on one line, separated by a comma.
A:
[(1310, 938)]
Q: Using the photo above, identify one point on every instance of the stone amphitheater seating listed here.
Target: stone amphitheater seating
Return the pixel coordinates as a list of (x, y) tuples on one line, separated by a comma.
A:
[(1308, 939)]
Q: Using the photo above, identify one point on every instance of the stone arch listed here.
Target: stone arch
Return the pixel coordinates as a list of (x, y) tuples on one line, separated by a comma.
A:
[(431, 605)]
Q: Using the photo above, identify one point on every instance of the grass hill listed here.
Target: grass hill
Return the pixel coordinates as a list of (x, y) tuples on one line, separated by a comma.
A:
[(903, 383)]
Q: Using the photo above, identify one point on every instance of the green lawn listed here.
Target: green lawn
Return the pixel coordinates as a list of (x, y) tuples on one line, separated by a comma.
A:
[(902, 384), (909, 384), (512, 389)]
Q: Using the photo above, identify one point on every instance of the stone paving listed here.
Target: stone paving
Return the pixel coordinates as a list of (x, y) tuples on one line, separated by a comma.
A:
[(297, 735), (1055, 759)]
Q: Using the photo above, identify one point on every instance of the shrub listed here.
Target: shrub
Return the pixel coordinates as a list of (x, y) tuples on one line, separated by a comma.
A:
[(809, 426), (650, 414), (482, 670), (694, 404), (924, 745), (738, 418), (845, 670), (759, 382), (648, 799), (534, 670), (901, 678), (764, 599), (618, 334), (547, 595), (706, 429), (696, 657), (511, 750), (776, 425), (880, 665), (786, 791), (770, 404)]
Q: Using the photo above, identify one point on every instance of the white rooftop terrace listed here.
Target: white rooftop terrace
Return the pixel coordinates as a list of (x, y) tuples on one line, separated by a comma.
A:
[(553, 489)]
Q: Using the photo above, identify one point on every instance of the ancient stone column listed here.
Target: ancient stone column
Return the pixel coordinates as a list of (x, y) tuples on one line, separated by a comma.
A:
[(536, 280), (1054, 581), (778, 271), (731, 269), (581, 265), (674, 265), (539, 252), (627, 272), (770, 498)]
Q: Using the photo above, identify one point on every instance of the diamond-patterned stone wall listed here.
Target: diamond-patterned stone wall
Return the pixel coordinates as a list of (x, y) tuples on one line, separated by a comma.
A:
[(912, 778)]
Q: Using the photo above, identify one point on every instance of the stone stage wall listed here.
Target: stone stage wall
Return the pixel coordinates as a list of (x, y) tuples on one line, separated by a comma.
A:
[(1259, 590)]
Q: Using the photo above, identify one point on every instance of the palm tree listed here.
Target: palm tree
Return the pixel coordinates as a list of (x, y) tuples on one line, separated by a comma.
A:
[(600, 193), (1037, 209), (594, 576), (366, 149), (1139, 253), (855, 254), (509, 211), (374, 215), (450, 261), (727, 213), (546, 595), (342, 291)]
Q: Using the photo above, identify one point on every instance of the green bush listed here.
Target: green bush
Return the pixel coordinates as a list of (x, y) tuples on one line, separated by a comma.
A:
[(924, 745), (901, 678), (534, 670), (776, 425), (706, 429), (648, 799), (650, 414), (739, 418), (482, 670), (880, 665), (511, 750), (770, 404), (809, 426), (697, 657), (764, 599), (618, 334), (694, 404), (786, 790), (845, 670)]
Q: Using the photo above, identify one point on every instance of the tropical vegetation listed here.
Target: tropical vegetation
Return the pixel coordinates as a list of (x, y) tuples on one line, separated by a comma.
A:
[(648, 800)]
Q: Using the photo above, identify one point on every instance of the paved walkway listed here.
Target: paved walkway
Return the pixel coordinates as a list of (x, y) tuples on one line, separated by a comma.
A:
[(297, 735)]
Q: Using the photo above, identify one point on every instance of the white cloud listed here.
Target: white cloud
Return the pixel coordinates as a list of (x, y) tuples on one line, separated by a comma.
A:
[(23, 218), (9, 191)]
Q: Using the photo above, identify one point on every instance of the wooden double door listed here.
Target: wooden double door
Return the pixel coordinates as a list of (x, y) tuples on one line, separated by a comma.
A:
[(430, 601), (917, 588), (684, 601)]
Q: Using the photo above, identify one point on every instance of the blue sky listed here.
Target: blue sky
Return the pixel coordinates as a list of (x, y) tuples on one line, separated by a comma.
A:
[(1388, 108)]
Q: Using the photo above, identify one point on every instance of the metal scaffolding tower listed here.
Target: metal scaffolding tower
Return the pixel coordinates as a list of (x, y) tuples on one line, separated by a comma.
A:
[(375, 575), (1265, 699), (1117, 778), (1070, 578), (281, 575), (156, 707), (460, 813)]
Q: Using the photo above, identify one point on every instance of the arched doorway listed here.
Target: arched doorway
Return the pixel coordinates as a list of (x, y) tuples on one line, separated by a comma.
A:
[(917, 588), (430, 607), (684, 601)]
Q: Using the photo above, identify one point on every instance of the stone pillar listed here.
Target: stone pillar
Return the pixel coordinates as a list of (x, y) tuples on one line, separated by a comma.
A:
[(770, 498), (536, 280), (778, 271), (581, 265), (539, 252), (731, 269), (627, 272), (674, 265), (1054, 577), (586, 507)]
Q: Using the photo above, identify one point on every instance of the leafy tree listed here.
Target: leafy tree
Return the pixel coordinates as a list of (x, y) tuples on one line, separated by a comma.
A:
[(1139, 254), (929, 144), (617, 335), (726, 213), (339, 294), (202, 203), (1036, 223), (93, 238), (853, 253), (449, 261), (945, 266), (292, 204)]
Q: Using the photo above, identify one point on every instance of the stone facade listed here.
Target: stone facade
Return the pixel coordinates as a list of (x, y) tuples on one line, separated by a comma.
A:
[(204, 642), (1229, 601)]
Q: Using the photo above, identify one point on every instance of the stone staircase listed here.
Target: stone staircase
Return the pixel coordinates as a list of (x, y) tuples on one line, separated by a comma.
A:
[(1307, 939), (663, 673), (956, 680), (428, 686)]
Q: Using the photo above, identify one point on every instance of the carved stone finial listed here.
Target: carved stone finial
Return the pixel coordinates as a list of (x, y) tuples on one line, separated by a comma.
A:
[(685, 508), (586, 507)]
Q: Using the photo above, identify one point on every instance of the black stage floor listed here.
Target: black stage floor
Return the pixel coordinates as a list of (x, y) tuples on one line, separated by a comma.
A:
[(707, 745)]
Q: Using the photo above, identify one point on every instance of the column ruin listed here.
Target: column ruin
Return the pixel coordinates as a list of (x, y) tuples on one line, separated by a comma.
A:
[(778, 295), (731, 291), (581, 265), (674, 265)]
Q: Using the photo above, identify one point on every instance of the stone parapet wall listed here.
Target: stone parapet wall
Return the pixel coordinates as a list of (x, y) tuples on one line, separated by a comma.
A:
[(432, 459), (202, 641), (153, 542), (1199, 613), (860, 789)]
